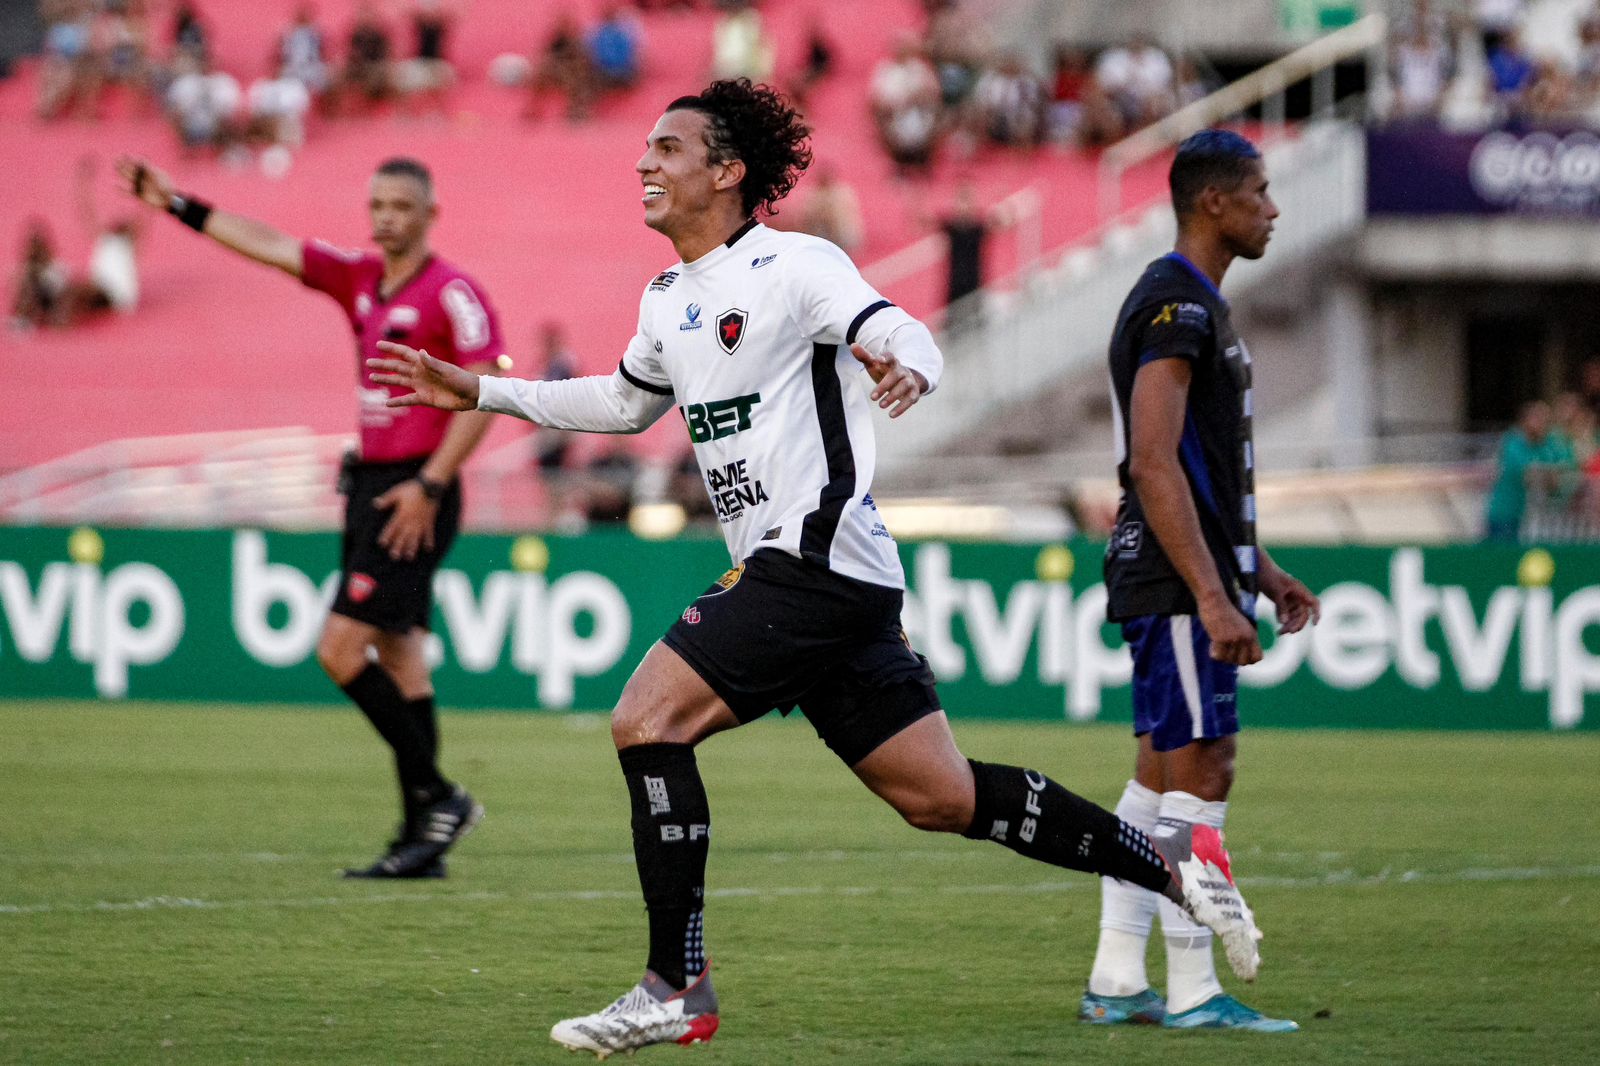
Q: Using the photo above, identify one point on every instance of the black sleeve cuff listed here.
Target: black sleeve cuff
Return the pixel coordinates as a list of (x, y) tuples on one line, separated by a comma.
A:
[(640, 383), (861, 319)]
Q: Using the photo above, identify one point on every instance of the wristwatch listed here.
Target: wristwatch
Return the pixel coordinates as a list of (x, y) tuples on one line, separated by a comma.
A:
[(433, 490)]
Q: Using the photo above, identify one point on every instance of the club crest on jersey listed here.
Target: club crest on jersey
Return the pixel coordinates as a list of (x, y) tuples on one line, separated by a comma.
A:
[(730, 329), (363, 305), (691, 317)]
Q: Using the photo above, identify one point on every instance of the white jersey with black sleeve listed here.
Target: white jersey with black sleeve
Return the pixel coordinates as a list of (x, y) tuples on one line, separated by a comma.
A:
[(751, 343)]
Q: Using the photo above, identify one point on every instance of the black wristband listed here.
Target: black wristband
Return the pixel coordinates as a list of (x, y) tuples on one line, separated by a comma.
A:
[(433, 490), (190, 211)]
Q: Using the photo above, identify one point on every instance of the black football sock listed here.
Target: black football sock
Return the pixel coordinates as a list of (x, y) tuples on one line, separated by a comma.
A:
[(425, 719), (671, 838), (1033, 816), (374, 691)]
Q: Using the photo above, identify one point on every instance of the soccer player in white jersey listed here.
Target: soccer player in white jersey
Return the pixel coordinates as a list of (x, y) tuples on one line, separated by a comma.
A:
[(759, 339)]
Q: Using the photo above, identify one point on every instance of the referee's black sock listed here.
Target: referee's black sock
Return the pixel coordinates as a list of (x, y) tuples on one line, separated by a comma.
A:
[(1033, 816), (424, 717), (374, 691), (671, 837)]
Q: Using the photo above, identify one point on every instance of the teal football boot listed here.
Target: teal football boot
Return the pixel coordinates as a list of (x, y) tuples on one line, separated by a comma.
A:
[(1225, 1012), (1141, 1008)]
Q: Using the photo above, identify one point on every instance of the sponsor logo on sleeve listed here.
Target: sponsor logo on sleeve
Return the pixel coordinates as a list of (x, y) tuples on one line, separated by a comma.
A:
[(758, 263), (1184, 314), (468, 320), (731, 329), (663, 281)]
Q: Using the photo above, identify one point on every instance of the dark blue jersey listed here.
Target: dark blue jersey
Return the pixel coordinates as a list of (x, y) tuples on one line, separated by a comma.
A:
[(1175, 312)]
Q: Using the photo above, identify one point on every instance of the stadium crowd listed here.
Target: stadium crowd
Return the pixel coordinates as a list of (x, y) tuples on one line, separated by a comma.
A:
[(1473, 65), (948, 84)]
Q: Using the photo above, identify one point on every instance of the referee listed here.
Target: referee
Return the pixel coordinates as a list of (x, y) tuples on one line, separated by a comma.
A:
[(402, 496)]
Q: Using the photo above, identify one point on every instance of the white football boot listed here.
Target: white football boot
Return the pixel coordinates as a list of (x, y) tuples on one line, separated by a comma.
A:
[(1199, 863), (651, 1013)]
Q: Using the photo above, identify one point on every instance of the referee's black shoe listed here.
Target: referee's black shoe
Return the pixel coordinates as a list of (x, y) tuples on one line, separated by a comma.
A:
[(419, 853)]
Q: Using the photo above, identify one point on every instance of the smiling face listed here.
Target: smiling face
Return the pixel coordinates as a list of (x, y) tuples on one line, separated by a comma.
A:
[(1245, 214), (681, 183), (401, 209)]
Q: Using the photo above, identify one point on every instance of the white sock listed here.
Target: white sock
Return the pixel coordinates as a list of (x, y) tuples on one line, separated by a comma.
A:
[(1191, 967), (1126, 911)]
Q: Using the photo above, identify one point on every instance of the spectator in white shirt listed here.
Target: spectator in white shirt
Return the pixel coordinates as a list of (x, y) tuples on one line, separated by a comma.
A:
[(201, 102)]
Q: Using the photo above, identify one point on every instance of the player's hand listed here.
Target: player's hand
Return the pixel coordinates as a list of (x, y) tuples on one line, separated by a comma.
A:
[(147, 183), (896, 386), (1296, 604), (433, 382), (1233, 636), (410, 526)]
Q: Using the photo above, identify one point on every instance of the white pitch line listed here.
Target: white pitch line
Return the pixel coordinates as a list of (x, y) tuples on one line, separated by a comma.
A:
[(1337, 879)]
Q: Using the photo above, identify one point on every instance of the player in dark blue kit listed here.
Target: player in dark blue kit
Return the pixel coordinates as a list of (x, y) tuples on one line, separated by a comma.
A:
[(1183, 569)]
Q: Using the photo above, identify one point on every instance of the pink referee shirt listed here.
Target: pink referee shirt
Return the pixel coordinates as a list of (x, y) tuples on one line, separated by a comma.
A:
[(438, 309)]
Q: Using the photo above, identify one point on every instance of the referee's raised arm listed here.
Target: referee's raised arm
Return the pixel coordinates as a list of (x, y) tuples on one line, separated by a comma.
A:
[(256, 240)]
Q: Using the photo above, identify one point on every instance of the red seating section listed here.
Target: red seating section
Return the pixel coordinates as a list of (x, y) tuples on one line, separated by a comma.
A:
[(544, 214)]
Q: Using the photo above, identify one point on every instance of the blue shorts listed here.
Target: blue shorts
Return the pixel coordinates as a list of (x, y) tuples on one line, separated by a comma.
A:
[(1180, 693)]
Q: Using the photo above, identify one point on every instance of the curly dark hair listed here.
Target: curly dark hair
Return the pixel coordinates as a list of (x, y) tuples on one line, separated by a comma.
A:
[(755, 125)]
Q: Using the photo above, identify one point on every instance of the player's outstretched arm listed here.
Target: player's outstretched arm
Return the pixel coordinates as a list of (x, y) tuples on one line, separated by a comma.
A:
[(433, 382), (152, 187), (895, 385)]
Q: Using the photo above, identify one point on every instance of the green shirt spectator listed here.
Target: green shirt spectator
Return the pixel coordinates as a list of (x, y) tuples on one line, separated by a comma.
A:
[(1531, 457)]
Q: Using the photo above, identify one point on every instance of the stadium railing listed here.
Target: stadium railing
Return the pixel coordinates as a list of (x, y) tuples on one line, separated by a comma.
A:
[(1266, 88), (1057, 325)]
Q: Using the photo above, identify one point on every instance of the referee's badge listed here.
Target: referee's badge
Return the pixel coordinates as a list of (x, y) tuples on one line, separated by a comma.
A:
[(730, 329)]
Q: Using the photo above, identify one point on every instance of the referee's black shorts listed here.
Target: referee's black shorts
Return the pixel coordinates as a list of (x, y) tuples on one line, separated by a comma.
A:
[(779, 632), (395, 595)]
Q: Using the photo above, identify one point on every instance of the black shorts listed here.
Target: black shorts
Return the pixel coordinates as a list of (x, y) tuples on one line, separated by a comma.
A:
[(392, 594), (779, 632)]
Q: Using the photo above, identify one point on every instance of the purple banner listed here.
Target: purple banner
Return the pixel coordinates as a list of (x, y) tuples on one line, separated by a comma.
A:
[(1420, 169)]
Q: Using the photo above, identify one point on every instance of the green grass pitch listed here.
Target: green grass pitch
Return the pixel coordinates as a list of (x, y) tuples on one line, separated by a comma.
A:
[(167, 895)]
